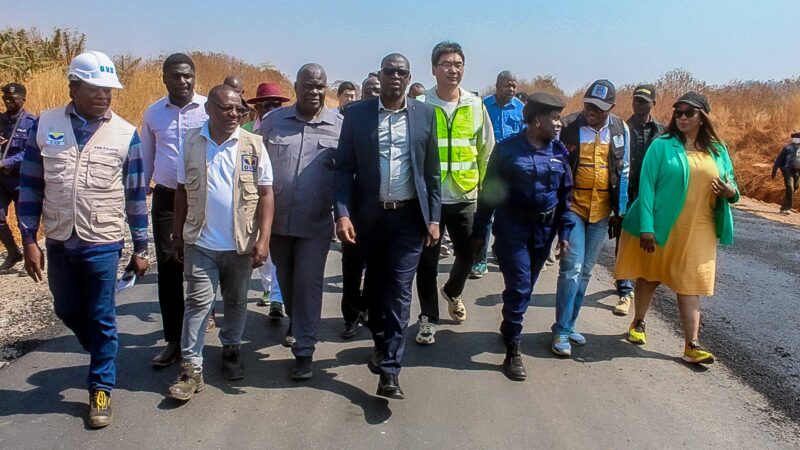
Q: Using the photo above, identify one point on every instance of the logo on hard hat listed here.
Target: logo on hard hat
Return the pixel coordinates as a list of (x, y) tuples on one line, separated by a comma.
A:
[(106, 69)]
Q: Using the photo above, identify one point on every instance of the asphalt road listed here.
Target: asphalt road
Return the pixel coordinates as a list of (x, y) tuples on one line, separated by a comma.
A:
[(611, 394)]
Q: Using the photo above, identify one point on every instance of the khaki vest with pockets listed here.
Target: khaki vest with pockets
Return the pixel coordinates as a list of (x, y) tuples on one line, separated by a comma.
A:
[(245, 190), (84, 189)]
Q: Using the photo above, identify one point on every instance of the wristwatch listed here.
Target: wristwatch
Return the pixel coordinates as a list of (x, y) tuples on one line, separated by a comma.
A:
[(142, 254)]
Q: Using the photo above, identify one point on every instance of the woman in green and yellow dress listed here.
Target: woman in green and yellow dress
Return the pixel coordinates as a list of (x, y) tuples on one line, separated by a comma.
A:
[(671, 231)]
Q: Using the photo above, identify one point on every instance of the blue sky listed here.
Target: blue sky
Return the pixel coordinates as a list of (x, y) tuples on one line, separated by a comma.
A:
[(576, 41)]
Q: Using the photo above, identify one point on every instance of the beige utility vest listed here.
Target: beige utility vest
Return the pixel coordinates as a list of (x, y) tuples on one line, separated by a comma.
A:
[(245, 188), (83, 190)]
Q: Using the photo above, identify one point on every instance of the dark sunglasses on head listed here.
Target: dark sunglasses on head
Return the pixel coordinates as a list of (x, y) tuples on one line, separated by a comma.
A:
[(688, 113), (391, 71)]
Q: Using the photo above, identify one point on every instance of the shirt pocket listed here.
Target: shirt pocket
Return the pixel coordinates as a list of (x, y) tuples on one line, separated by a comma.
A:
[(103, 170), (325, 151)]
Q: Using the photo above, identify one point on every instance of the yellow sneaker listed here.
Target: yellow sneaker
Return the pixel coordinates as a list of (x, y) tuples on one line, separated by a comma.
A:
[(695, 353), (636, 333)]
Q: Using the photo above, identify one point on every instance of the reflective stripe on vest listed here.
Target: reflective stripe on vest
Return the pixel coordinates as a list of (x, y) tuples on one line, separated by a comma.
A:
[(458, 149)]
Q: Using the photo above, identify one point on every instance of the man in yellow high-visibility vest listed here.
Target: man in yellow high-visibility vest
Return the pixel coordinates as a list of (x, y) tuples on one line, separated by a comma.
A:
[(466, 140)]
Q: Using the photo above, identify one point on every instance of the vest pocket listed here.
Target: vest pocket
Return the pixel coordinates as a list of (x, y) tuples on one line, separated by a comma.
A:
[(103, 170), (54, 167), (49, 218), (192, 179), (107, 222), (249, 190)]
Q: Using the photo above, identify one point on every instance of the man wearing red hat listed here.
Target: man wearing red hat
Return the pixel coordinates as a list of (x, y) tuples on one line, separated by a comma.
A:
[(268, 97)]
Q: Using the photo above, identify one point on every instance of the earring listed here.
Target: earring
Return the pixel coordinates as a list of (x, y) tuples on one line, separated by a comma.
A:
[(538, 125)]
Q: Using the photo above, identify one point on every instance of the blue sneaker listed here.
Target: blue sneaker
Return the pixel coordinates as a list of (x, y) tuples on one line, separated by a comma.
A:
[(561, 345), (478, 270), (577, 338)]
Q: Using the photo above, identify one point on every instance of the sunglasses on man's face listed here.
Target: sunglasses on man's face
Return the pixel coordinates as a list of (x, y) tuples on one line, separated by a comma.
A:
[(688, 113), (392, 71), (227, 109)]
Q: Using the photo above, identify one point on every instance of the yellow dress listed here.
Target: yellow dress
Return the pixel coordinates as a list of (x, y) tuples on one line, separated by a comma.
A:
[(687, 262)]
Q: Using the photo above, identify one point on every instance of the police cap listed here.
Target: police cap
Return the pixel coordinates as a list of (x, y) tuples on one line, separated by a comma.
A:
[(14, 88), (542, 102)]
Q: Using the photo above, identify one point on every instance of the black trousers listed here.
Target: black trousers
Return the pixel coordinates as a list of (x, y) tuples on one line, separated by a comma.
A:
[(791, 181), (392, 249), (353, 300), (9, 192), (170, 271), (457, 220)]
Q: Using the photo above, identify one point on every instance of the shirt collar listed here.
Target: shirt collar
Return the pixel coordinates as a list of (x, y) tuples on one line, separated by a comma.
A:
[(196, 100), (206, 134), (464, 97), (324, 116), (70, 109), (383, 108)]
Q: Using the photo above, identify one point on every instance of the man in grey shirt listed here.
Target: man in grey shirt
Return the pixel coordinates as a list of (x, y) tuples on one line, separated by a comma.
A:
[(301, 140)]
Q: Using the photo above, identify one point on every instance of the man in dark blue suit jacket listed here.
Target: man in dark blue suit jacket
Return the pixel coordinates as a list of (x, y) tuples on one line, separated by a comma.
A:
[(388, 201)]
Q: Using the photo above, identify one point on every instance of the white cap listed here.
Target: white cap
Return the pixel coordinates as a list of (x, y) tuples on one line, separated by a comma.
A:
[(94, 68)]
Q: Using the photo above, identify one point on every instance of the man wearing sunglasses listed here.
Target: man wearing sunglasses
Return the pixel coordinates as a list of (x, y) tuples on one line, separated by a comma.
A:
[(268, 97), (223, 217), (599, 149), (15, 127), (388, 203), (466, 140), (164, 128), (301, 140), (644, 129)]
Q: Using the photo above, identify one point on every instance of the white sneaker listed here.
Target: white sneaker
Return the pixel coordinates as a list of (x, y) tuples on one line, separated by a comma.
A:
[(427, 331), (455, 307)]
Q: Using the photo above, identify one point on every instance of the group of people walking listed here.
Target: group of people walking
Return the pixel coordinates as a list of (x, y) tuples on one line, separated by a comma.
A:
[(389, 175)]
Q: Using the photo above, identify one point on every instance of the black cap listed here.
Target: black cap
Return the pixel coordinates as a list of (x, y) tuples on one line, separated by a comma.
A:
[(646, 92), (695, 99), (14, 88), (542, 102), (602, 94), (796, 134), (522, 96)]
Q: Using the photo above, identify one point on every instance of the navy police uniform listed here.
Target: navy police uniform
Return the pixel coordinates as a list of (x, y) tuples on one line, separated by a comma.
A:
[(528, 190), (14, 131)]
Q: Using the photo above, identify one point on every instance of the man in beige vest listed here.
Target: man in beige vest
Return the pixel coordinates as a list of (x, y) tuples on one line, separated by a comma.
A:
[(82, 176), (223, 221)]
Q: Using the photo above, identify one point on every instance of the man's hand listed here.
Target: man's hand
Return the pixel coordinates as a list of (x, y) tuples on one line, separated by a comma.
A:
[(647, 241), (722, 189), (177, 248), (139, 265), (34, 261), (433, 235), (260, 253), (614, 226), (561, 249), (345, 230)]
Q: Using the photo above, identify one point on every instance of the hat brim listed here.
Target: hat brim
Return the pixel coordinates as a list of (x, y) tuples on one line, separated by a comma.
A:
[(692, 103), (103, 83), (604, 106), (280, 98), (644, 97)]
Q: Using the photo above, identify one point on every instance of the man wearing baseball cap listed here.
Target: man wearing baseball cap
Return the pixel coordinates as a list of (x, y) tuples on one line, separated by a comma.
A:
[(82, 176), (644, 128), (15, 127), (599, 152)]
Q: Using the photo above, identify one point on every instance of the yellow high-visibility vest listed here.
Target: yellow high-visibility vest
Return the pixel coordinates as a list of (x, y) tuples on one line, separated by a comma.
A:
[(458, 143)]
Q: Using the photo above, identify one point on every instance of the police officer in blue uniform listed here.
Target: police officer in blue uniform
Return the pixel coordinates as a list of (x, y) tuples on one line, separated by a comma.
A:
[(15, 125), (527, 186)]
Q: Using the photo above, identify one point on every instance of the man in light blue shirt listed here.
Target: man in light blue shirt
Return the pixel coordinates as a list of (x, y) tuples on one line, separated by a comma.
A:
[(505, 112)]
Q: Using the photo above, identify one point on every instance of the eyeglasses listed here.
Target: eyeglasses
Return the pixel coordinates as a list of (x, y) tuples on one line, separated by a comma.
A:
[(270, 104), (688, 113), (227, 109), (447, 65), (392, 71)]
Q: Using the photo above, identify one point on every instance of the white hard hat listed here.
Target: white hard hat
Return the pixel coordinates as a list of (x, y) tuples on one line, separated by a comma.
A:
[(94, 68)]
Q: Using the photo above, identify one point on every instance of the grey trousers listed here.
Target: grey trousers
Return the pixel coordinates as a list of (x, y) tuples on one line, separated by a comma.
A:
[(300, 264), (204, 270)]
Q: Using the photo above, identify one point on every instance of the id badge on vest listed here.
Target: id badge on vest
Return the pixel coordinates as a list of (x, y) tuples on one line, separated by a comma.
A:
[(619, 141)]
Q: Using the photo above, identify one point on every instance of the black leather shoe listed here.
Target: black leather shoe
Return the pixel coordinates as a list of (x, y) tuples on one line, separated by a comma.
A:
[(349, 331), (375, 361), (232, 367), (512, 365), (167, 356), (302, 369), (389, 387)]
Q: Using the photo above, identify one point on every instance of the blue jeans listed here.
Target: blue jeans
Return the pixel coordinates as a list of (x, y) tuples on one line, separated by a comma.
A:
[(575, 269), (83, 291)]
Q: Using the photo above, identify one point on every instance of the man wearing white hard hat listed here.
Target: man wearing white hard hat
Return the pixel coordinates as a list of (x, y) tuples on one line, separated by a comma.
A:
[(82, 175)]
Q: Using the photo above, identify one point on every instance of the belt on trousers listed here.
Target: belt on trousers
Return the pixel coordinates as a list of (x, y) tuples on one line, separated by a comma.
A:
[(161, 187), (546, 217), (536, 217), (394, 205)]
